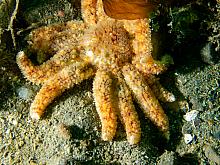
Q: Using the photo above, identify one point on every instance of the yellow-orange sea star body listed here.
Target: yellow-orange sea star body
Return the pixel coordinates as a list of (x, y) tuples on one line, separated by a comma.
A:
[(117, 52)]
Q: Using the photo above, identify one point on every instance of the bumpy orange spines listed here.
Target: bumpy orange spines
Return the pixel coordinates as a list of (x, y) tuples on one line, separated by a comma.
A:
[(105, 105), (146, 99), (127, 112), (117, 52), (57, 84)]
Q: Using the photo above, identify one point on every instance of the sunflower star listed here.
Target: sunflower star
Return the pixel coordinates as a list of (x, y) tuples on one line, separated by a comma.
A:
[(117, 52)]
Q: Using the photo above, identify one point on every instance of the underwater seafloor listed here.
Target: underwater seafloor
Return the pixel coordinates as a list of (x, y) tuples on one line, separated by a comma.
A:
[(70, 131)]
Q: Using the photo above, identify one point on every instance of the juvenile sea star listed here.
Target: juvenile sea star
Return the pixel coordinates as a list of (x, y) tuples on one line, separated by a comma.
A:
[(117, 52)]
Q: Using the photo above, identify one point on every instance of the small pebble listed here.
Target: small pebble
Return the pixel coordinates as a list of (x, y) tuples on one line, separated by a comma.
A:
[(24, 93), (15, 122), (63, 131), (188, 138), (32, 162), (190, 116), (60, 13)]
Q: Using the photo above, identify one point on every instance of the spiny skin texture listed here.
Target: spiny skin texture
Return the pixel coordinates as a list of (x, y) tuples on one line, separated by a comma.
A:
[(104, 101), (62, 40), (116, 52), (146, 98), (55, 84), (128, 115)]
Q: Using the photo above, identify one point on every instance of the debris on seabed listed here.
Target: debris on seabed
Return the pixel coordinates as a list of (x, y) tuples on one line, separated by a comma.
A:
[(208, 54), (190, 116), (211, 154), (24, 93), (188, 138), (63, 131)]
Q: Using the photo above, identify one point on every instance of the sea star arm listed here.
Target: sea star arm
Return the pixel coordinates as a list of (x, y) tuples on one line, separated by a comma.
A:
[(102, 91), (146, 99), (148, 65), (42, 40), (143, 60), (50, 39), (40, 74), (53, 87), (128, 115), (160, 92)]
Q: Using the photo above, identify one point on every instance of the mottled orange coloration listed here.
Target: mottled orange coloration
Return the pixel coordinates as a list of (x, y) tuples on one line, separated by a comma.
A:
[(59, 39), (146, 98), (117, 52), (128, 115), (55, 84), (160, 92), (103, 95)]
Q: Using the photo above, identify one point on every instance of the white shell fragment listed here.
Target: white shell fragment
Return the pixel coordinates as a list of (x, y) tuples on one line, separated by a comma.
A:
[(188, 138), (190, 116), (24, 93)]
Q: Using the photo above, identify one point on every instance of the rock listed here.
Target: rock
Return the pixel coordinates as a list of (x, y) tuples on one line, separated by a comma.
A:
[(211, 154)]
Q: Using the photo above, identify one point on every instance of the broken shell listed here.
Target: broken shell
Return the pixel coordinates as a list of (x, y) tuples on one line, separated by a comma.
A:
[(24, 93), (189, 116), (188, 138)]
